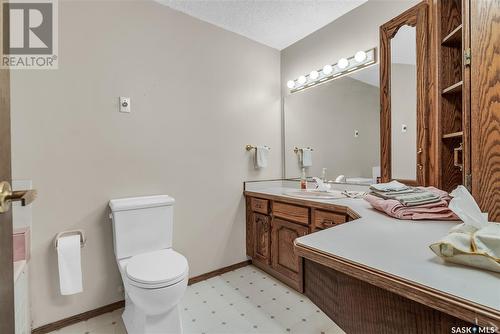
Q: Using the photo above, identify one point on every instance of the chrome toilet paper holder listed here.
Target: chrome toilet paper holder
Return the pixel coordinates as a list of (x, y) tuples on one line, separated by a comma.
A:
[(83, 239)]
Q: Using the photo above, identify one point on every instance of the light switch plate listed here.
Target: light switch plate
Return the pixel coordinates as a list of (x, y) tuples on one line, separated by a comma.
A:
[(124, 104)]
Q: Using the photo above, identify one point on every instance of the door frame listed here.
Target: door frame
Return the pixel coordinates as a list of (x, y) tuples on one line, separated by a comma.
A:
[(6, 252)]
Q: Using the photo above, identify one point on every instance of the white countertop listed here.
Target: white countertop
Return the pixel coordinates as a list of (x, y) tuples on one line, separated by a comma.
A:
[(400, 248)]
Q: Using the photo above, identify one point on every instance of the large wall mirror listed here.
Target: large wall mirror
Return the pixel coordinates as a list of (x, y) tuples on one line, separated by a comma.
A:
[(338, 120), (403, 77)]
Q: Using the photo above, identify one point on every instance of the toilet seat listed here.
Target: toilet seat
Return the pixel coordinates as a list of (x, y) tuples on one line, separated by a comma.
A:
[(157, 269)]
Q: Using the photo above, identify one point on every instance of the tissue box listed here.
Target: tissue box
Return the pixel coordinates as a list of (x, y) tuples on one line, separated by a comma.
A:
[(21, 243)]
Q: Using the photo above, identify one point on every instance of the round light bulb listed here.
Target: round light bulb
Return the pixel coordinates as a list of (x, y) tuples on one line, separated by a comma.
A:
[(302, 80), (327, 69), (360, 56), (290, 84), (343, 63), (314, 75)]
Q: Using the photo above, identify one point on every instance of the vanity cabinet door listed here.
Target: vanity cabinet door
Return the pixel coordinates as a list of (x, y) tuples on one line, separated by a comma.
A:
[(284, 259), (262, 238)]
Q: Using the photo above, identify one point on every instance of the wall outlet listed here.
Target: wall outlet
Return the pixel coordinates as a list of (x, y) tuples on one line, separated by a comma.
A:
[(356, 133), (124, 104), (404, 128)]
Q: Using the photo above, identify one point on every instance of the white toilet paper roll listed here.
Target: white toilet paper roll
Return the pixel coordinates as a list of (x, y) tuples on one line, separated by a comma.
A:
[(70, 266)]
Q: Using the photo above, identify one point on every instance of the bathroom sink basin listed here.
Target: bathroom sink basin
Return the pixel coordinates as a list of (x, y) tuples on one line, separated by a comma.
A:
[(315, 194)]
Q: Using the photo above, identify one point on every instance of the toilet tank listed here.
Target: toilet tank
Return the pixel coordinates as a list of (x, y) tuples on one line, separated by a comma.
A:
[(141, 224)]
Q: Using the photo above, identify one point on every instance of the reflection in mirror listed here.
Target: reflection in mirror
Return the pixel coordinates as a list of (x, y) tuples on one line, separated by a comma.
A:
[(326, 118), (404, 104)]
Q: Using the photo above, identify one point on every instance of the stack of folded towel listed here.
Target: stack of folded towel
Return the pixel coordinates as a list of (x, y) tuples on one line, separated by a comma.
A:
[(406, 195), (403, 202)]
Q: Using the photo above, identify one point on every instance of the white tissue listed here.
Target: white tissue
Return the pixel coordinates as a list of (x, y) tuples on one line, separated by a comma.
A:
[(70, 268), (466, 208), (474, 243)]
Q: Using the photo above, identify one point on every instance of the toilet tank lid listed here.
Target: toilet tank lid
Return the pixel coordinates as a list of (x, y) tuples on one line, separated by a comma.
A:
[(142, 202)]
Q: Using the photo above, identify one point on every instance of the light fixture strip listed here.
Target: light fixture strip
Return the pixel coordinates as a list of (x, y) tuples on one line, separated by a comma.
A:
[(329, 72)]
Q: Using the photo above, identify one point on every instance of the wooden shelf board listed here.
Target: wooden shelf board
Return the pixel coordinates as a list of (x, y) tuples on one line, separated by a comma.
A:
[(455, 88), (453, 38), (453, 135)]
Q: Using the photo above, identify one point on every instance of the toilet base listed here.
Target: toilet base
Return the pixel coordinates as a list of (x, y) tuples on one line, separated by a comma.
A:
[(136, 322)]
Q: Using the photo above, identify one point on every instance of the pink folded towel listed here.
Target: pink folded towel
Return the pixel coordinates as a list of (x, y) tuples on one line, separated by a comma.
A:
[(432, 211)]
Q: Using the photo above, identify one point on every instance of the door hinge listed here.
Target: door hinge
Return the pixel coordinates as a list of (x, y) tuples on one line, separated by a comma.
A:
[(468, 182), (467, 56)]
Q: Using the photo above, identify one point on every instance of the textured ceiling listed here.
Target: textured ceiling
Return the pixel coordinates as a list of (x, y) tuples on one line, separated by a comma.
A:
[(275, 23)]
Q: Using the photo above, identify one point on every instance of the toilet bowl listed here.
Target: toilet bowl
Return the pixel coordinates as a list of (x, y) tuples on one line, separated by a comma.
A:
[(154, 275), (154, 283)]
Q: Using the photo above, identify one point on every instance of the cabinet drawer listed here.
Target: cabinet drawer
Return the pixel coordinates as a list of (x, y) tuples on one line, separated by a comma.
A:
[(327, 219), (291, 212), (259, 205)]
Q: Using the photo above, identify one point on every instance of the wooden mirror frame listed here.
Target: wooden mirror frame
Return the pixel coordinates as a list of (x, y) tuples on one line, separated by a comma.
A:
[(413, 17)]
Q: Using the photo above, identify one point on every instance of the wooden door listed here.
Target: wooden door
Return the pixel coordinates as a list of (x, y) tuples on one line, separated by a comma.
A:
[(262, 238), (6, 256), (284, 259), (485, 109)]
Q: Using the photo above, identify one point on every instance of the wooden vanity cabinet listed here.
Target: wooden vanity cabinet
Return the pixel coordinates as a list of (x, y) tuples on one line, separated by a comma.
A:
[(325, 219), (284, 259), (262, 238), (272, 226)]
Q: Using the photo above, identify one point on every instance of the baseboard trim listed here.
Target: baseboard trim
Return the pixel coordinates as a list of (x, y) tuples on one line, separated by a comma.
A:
[(77, 318), (218, 272), (115, 306)]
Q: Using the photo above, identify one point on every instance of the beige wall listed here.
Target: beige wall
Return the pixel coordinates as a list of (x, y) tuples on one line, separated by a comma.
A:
[(198, 95), (325, 118), (404, 111)]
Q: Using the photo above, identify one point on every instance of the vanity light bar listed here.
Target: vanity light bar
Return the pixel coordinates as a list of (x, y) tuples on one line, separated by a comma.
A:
[(329, 72)]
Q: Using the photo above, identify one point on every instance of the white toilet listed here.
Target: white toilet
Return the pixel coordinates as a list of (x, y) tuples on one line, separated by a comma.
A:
[(154, 275)]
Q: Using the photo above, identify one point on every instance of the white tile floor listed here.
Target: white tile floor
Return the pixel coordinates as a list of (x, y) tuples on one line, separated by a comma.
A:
[(246, 300)]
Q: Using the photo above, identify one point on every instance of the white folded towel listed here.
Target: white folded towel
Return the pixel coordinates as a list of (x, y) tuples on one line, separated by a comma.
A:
[(306, 157), (389, 186), (261, 155)]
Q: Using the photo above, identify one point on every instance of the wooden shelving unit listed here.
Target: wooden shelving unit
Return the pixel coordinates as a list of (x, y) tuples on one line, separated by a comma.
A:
[(453, 135), (454, 37), (451, 83), (455, 88)]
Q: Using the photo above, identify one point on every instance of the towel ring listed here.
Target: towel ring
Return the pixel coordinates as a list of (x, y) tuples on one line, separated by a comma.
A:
[(83, 239)]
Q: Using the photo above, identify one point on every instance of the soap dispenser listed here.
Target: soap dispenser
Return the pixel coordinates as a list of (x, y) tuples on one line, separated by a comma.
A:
[(303, 179)]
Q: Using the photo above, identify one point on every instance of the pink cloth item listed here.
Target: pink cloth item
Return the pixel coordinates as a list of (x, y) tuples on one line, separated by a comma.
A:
[(432, 211), (21, 244)]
